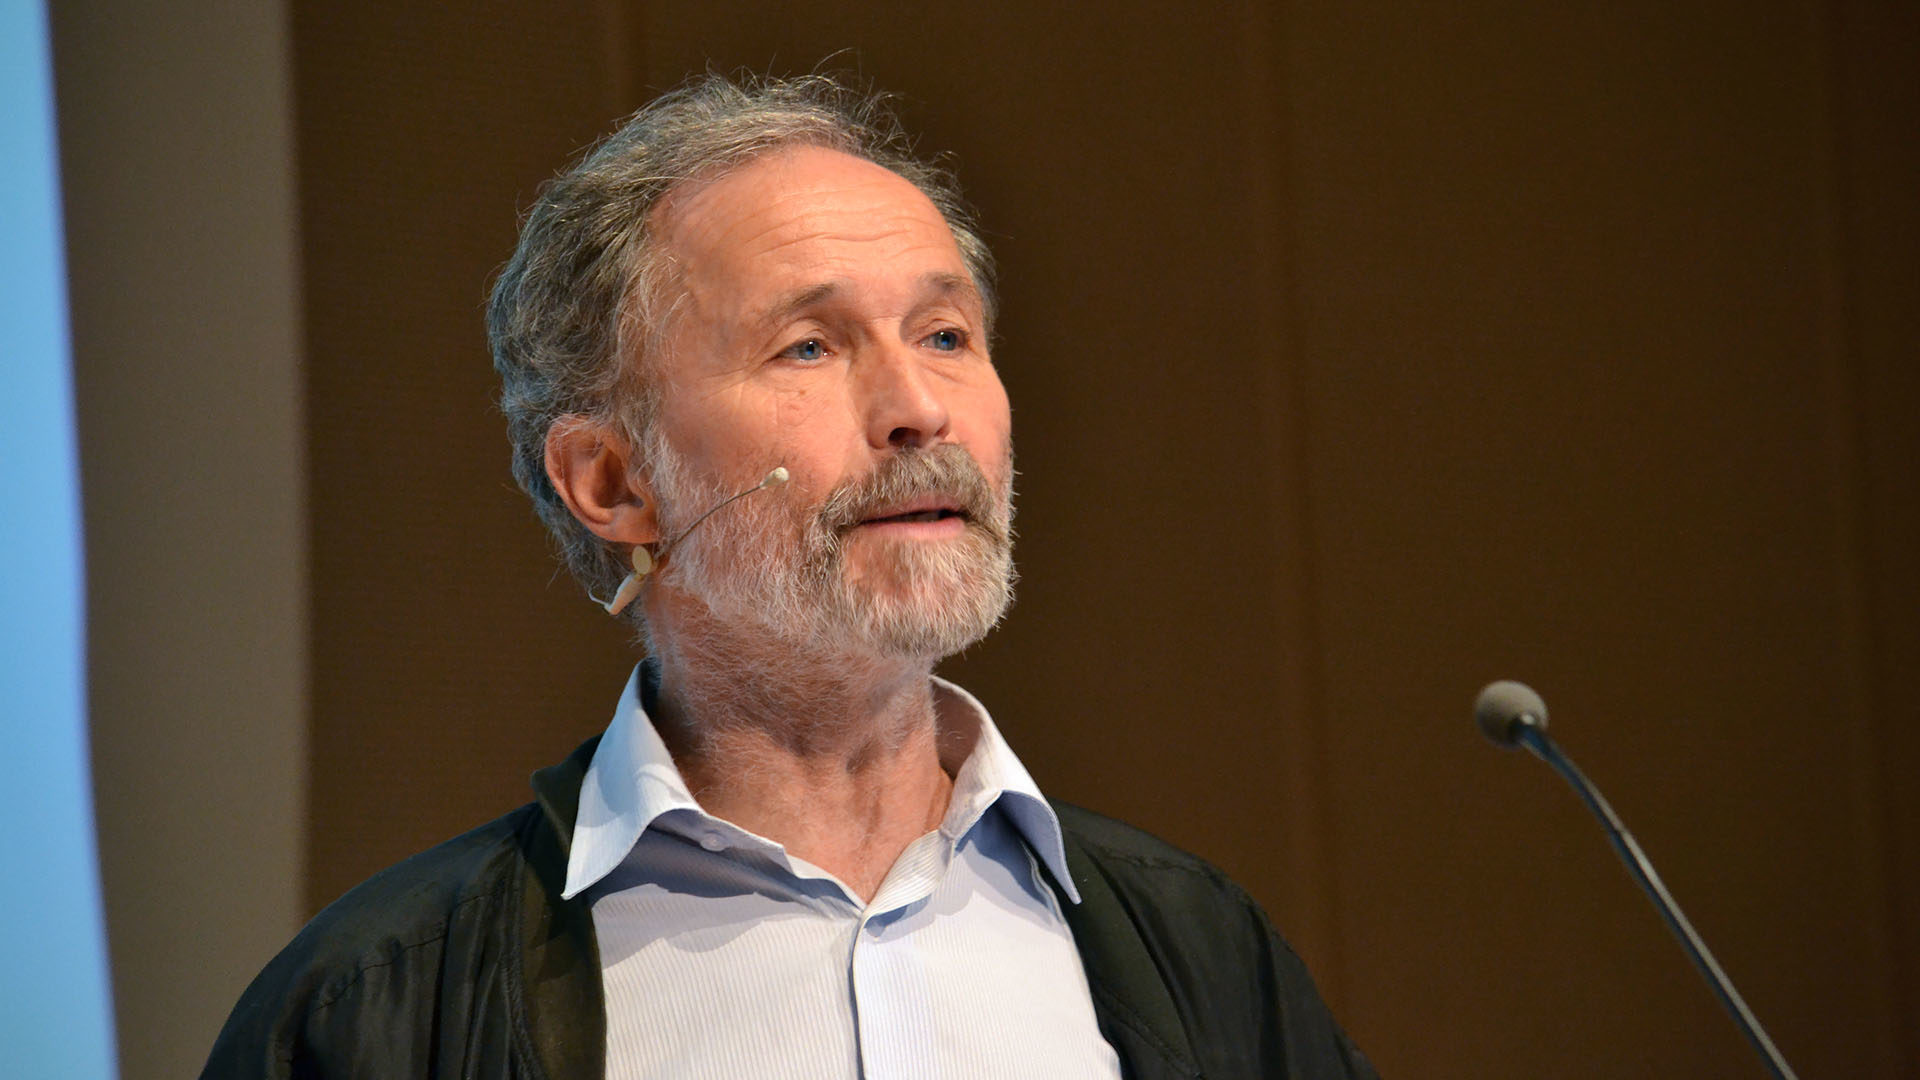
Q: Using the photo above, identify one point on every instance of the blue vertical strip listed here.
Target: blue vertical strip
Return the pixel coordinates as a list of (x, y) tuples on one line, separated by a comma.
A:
[(56, 1014)]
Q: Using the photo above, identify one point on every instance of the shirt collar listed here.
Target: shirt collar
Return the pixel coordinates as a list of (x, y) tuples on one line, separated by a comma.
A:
[(632, 780)]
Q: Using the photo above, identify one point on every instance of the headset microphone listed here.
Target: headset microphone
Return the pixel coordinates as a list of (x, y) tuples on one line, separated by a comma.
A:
[(644, 560)]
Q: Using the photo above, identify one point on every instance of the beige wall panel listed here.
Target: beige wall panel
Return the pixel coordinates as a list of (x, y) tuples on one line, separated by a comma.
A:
[(176, 152)]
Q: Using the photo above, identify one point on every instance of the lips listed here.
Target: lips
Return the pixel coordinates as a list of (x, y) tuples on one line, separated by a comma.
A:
[(920, 510)]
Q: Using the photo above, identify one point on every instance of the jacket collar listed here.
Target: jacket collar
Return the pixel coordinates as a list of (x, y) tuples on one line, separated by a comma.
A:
[(557, 789), (562, 1001)]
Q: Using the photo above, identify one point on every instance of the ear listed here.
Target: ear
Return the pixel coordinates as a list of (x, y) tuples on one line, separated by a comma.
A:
[(589, 466)]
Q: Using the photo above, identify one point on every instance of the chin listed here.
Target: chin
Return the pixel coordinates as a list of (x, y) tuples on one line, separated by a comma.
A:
[(929, 600), (921, 635)]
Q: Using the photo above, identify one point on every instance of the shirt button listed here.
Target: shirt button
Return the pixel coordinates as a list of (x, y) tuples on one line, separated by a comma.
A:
[(712, 842)]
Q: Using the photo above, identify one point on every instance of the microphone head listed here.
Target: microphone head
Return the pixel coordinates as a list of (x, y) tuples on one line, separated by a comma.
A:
[(775, 478), (1505, 708)]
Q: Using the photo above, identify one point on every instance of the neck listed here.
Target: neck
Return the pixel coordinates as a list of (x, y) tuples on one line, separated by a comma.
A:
[(833, 754)]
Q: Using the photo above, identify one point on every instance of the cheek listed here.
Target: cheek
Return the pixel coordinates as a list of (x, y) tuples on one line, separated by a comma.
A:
[(738, 427), (990, 425), (796, 410), (812, 432)]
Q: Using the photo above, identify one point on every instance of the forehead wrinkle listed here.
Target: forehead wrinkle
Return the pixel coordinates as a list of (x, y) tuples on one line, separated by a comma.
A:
[(771, 247), (929, 285), (837, 208), (770, 211), (862, 221), (795, 302)]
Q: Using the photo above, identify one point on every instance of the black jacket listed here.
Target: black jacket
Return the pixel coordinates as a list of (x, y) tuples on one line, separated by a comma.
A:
[(463, 961)]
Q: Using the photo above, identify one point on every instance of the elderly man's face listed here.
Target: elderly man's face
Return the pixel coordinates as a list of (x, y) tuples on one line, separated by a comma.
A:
[(829, 324)]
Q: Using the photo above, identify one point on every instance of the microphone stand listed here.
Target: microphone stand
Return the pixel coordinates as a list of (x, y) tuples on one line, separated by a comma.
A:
[(1534, 737)]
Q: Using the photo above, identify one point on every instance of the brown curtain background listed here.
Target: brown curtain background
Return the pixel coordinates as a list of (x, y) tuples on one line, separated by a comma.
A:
[(1360, 354)]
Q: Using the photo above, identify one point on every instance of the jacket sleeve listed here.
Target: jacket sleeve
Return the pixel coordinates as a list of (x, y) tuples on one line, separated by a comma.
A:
[(1248, 1000), (304, 1018), (1306, 1037), (408, 975), (257, 1039)]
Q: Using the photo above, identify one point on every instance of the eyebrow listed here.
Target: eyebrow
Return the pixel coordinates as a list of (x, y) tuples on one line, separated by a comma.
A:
[(939, 284), (950, 286)]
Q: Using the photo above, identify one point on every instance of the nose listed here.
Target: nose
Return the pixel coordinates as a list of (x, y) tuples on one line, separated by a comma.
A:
[(905, 409)]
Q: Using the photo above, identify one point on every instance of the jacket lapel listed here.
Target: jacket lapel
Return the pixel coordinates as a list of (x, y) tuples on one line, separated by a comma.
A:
[(1136, 1012), (561, 994)]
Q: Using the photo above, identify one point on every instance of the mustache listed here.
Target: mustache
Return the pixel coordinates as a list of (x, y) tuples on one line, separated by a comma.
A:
[(947, 472)]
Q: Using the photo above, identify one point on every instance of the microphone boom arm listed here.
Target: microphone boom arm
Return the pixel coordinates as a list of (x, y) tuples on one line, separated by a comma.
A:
[(1535, 738)]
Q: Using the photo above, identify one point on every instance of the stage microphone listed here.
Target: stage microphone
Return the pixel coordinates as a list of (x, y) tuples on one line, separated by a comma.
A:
[(644, 561), (1512, 714), (1505, 708)]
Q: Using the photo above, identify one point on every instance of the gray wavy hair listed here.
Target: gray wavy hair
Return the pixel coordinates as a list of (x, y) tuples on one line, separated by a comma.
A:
[(577, 314)]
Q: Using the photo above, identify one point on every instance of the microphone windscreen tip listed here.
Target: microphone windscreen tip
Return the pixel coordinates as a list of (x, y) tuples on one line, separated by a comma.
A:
[(1504, 707), (775, 478)]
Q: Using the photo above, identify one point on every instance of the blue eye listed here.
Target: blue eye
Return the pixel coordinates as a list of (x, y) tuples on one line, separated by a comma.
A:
[(810, 349), (946, 340)]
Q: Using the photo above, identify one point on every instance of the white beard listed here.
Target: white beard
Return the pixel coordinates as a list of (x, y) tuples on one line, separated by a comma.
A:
[(785, 569)]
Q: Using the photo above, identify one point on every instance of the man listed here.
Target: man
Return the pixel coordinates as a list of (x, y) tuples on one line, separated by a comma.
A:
[(744, 349)]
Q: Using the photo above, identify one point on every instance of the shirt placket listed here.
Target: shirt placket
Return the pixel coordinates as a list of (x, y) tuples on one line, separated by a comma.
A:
[(889, 972)]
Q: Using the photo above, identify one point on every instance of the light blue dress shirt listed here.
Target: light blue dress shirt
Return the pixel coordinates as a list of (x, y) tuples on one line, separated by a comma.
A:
[(724, 956)]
